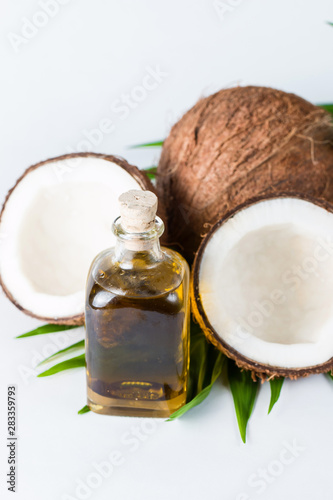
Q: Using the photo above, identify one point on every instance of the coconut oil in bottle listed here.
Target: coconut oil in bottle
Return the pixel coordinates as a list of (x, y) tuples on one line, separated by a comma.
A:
[(137, 318)]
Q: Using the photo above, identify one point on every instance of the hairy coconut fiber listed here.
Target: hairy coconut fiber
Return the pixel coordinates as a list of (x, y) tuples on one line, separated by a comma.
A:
[(237, 144)]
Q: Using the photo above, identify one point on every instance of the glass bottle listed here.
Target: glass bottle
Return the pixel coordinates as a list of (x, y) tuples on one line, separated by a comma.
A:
[(137, 318)]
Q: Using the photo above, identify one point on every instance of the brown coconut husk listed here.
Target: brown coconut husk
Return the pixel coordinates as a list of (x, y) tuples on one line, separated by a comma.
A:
[(137, 174), (237, 144), (258, 370)]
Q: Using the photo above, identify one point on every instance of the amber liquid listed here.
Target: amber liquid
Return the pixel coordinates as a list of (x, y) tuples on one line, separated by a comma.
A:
[(137, 347)]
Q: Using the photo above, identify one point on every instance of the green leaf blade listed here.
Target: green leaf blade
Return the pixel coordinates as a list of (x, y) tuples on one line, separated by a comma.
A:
[(198, 361), (327, 107), (83, 410), (50, 328), (206, 366), (156, 144), (244, 391), (199, 398), (151, 172), (77, 362), (276, 386), (74, 347)]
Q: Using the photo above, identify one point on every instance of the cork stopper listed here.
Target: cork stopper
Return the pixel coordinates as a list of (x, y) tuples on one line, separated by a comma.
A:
[(138, 210)]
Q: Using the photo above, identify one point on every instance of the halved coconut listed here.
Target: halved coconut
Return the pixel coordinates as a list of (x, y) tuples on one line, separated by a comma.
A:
[(262, 286), (54, 221)]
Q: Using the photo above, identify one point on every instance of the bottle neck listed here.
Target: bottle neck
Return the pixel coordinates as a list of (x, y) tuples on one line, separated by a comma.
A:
[(139, 249)]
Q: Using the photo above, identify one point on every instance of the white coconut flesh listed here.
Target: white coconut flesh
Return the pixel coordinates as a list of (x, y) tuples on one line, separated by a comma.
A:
[(57, 219), (266, 283)]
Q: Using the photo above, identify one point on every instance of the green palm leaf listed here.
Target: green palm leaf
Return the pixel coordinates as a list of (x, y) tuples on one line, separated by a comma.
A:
[(151, 172), (206, 365), (83, 410), (78, 361), (50, 328), (74, 347), (328, 107), (156, 144), (199, 398), (276, 386), (244, 391)]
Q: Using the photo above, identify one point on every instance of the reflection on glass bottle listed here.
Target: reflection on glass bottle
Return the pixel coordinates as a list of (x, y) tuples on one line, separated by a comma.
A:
[(137, 318)]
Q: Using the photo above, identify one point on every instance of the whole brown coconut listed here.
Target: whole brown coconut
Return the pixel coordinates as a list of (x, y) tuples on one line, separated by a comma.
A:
[(237, 144)]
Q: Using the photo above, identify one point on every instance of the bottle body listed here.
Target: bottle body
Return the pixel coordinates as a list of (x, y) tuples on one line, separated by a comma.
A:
[(137, 331)]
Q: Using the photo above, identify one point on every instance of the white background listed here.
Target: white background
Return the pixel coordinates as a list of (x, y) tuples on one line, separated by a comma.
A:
[(56, 87)]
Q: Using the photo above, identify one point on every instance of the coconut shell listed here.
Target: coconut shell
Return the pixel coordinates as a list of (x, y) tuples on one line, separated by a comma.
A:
[(137, 174), (237, 144), (258, 370)]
